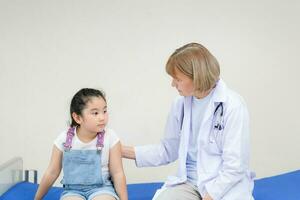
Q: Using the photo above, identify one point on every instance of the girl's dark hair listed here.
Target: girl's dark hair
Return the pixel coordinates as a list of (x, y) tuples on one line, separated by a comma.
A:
[(80, 100)]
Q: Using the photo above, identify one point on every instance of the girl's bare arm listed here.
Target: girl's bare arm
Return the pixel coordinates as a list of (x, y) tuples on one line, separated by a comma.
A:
[(117, 172), (51, 173)]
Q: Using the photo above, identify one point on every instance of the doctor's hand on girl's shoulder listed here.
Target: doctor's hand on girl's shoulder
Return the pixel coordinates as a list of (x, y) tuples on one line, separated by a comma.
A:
[(128, 152)]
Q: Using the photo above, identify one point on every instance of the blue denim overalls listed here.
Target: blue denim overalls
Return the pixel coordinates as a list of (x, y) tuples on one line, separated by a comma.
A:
[(82, 170)]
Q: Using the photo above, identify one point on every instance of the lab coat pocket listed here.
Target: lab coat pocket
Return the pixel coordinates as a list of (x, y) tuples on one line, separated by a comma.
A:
[(212, 149), (211, 146)]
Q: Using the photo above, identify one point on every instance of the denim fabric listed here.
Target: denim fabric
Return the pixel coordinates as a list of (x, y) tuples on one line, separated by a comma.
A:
[(90, 193), (83, 175), (82, 167)]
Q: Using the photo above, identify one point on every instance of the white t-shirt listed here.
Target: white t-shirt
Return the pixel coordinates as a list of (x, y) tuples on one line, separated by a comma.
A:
[(110, 139)]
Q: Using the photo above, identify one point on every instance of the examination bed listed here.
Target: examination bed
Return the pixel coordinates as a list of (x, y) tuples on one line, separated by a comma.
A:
[(12, 187)]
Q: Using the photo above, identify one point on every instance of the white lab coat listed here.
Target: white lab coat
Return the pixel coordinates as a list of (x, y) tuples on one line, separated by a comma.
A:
[(223, 157)]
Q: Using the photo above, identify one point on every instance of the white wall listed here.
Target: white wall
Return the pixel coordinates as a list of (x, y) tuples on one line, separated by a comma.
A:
[(50, 49)]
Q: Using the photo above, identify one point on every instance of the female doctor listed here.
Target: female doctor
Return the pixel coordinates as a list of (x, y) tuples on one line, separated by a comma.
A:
[(207, 130)]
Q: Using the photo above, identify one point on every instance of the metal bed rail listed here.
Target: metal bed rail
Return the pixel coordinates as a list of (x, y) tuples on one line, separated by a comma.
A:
[(11, 172)]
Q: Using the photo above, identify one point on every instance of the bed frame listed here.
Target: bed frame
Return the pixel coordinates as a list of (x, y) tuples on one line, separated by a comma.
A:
[(11, 173)]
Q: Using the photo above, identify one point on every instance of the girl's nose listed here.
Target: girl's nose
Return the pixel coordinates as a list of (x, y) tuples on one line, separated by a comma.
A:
[(101, 116)]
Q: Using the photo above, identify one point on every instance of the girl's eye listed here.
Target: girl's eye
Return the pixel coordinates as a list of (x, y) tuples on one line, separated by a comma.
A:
[(105, 111), (95, 113)]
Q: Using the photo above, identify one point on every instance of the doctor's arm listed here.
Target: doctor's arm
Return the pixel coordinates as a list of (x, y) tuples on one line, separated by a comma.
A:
[(235, 153), (155, 154), (51, 173)]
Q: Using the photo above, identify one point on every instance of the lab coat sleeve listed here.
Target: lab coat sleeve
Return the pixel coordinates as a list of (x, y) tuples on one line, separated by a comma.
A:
[(167, 150), (235, 153)]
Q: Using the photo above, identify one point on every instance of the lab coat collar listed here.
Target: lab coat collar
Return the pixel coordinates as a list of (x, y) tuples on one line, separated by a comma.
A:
[(219, 93)]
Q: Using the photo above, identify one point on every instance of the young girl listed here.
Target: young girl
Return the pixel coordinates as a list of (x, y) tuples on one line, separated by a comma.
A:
[(88, 152)]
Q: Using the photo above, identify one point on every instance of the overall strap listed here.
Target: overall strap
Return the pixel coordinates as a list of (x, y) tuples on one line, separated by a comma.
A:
[(100, 140), (70, 135)]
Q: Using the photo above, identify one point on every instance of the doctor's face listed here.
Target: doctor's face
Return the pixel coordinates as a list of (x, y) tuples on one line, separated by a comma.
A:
[(182, 83)]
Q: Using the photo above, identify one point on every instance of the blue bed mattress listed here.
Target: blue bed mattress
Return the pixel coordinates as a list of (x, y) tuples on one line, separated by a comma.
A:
[(284, 186), (26, 191)]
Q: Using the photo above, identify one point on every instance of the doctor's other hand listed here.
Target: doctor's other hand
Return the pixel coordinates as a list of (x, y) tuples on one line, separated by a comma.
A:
[(207, 197), (128, 152)]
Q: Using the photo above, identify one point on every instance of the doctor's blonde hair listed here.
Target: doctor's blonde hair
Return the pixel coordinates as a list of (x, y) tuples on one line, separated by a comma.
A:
[(196, 62)]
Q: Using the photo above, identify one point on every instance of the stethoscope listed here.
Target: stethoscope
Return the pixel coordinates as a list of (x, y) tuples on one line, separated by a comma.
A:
[(219, 112), (218, 125)]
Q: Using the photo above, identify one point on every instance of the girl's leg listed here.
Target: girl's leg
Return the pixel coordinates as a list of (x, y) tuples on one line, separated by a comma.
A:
[(104, 197)]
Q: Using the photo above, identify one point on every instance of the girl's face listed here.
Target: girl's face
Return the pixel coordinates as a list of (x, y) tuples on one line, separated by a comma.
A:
[(183, 83), (94, 116)]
